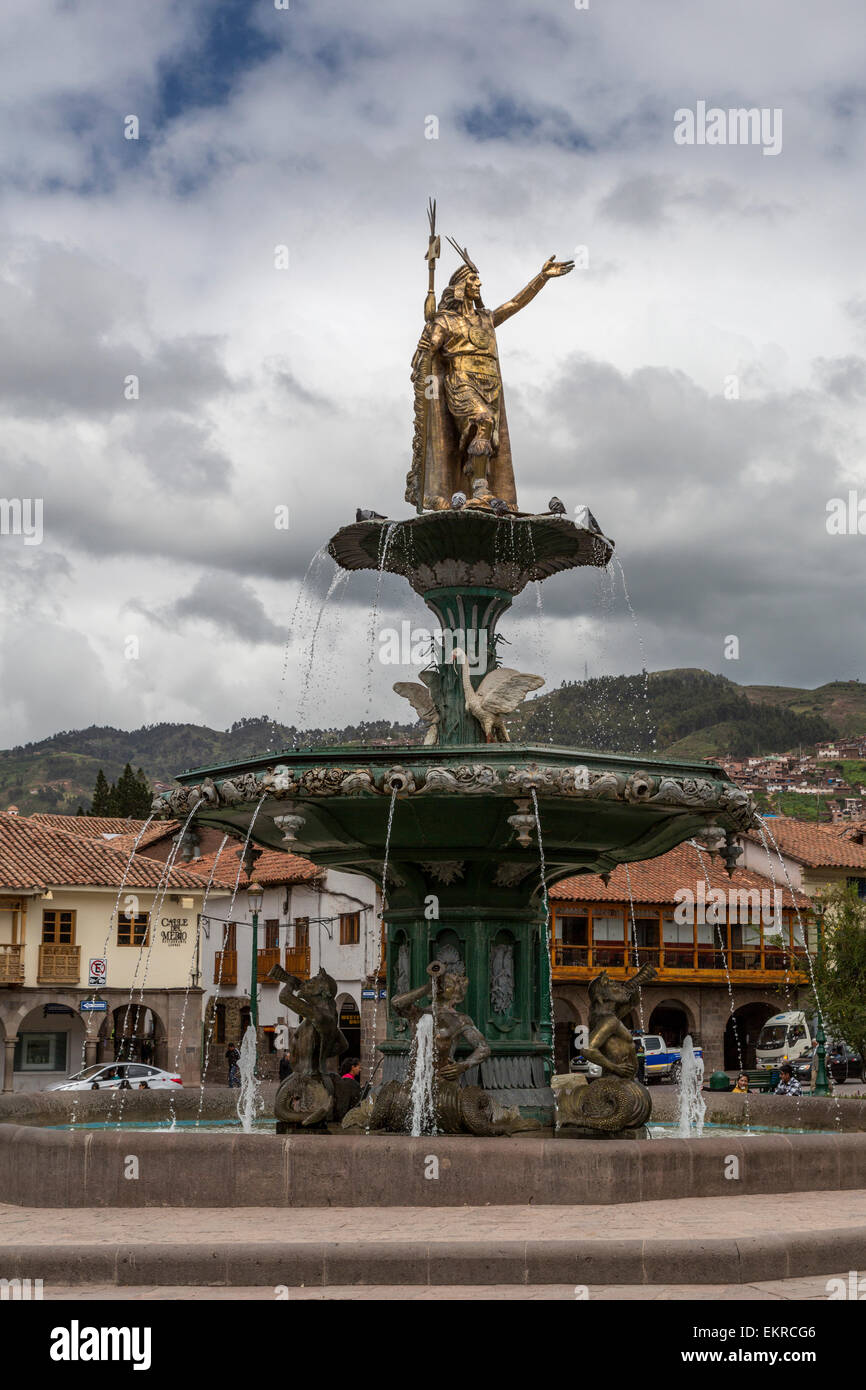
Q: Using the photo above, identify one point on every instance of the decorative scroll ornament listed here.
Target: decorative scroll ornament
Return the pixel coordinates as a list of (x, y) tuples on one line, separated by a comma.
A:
[(689, 792), (502, 978), (445, 870)]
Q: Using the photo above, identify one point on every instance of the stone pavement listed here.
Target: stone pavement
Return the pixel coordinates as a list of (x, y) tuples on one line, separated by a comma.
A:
[(776, 1290), (690, 1218), (718, 1242)]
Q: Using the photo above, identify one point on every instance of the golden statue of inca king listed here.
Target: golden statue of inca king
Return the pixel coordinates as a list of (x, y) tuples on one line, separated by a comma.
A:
[(461, 434)]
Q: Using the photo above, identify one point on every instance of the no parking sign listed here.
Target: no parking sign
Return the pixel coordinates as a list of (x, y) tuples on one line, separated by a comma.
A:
[(97, 970)]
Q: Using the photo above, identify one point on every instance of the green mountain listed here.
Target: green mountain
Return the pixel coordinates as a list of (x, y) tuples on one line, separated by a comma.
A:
[(59, 773), (683, 714), (841, 703)]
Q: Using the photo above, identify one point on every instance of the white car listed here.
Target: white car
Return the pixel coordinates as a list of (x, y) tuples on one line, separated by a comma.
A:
[(109, 1076)]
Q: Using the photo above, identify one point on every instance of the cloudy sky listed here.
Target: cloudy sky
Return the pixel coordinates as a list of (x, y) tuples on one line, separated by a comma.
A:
[(700, 383)]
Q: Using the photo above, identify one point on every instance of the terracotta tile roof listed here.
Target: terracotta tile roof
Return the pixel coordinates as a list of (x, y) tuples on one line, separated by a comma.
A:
[(93, 827), (815, 846), (157, 831), (656, 881), (36, 857), (272, 867)]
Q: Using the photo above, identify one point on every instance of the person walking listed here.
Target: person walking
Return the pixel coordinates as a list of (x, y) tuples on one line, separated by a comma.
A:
[(285, 1066), (232, 1059)]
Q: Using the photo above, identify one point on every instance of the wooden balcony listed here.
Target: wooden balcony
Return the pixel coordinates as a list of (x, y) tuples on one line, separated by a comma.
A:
[(676, 964), (298, 961), (268, 957), (58, 964), (11, 964), (225, 968)]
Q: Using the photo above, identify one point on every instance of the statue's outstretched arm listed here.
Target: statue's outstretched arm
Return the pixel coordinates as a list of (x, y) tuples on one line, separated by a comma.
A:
[(551, 268), (404, 1004), (287, 994)]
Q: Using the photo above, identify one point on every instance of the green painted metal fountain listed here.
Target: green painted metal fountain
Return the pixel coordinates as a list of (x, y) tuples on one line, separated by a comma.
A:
[(476, 831)]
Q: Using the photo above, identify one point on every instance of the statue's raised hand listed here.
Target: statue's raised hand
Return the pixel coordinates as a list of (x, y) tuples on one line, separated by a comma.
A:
[(553, 267)]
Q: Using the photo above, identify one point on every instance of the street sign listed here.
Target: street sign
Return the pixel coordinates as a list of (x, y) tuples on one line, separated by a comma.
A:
[(97, 970), (93, 1006)]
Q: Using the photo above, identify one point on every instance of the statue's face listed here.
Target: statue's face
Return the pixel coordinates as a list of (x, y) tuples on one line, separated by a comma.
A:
[(472, 287), (454, 988)]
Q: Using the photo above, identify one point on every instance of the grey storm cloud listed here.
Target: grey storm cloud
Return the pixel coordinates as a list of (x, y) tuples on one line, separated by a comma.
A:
[(66, 342), (218, 599)]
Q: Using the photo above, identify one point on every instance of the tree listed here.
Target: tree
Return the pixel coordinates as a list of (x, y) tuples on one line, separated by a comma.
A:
[(132, 795), (840, 968), (102, 796)]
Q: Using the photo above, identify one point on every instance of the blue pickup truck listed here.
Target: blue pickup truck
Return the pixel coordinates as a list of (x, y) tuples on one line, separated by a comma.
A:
[(661, 1062)]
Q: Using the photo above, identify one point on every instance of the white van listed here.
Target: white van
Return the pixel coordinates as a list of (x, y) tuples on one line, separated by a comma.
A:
[(784, 1038)]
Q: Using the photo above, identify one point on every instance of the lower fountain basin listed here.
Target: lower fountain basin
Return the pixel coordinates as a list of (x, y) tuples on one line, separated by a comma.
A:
[(185, 1167)]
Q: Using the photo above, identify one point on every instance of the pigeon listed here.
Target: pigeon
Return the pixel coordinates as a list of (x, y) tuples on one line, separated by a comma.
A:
[(500, 506), (362, 515), (555, 506), (458, 500)]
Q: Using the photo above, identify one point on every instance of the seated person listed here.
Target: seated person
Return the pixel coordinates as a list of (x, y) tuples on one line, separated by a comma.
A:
[(788, 1083), (742, 1086)]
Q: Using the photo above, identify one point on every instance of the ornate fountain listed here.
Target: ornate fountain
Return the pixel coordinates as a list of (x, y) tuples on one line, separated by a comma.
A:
[(467, 872)]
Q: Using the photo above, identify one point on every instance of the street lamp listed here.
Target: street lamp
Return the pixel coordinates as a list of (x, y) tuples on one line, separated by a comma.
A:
[(255, 895), (822, 1086)]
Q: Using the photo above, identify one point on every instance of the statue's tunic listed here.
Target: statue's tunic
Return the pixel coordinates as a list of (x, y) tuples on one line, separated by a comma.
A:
[(473, 385), (463, 388)]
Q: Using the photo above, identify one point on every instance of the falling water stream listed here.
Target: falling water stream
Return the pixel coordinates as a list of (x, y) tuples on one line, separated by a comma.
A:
[(249, 1100), (189, 979), (634, 944), (340, 577), (724, 954), (692, 1106), (386, 536), (156, 908), (108, 935), (215, 996), (549, 955), (422, 1108), (377, 948), (311, 574)]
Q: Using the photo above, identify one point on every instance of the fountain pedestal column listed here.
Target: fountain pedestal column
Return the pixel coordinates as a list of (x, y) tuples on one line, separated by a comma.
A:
[(503, 952)]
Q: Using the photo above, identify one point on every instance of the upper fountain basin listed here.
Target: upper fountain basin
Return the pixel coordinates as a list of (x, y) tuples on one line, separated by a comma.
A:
[(474, 548)]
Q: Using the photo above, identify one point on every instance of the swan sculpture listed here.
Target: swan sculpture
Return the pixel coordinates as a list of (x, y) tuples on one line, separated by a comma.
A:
[(500, 692), (420, 699)]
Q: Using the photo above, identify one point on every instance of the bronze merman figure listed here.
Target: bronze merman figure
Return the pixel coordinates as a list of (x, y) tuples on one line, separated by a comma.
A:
[(306, 1097), (616, 1102), (456, 1107)]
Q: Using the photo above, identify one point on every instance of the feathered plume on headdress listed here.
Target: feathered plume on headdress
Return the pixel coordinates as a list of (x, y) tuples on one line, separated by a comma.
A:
[(463, 254)]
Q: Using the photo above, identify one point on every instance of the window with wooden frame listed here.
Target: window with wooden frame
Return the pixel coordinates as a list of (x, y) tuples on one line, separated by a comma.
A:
[(133, 928), (350, 928), (58, 927), (272, 934), (302, 933)]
